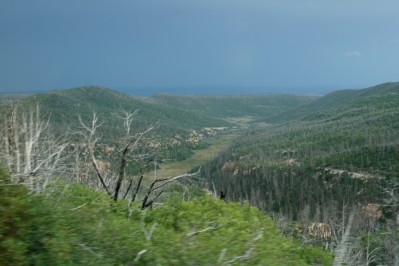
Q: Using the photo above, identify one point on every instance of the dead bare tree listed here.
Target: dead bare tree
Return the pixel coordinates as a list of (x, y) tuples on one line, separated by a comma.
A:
[(364, 251), (117, 185), (159, 183), (32, 154), (131, 143), (342, 250), (91, 140)]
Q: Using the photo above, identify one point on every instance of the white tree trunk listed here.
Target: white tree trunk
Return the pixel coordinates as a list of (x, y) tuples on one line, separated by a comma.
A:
[(342, 249), (28, 155), (16, 131)]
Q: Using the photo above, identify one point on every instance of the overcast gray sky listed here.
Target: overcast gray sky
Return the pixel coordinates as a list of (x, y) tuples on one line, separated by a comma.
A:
[(324, 44)]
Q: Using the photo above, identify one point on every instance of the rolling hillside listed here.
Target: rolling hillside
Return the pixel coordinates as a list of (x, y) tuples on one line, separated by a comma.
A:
[(233, 106), (68, 104), (184, 116), (332, 162), (361, 135), (342, 158), (176, 132), (334, 101), (7, 98)]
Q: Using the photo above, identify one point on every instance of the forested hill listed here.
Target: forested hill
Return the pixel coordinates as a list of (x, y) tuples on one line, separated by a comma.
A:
[(7, 98), (112, 217), (180, 121), (340, 159), (168, 110), (175, 133), (233, 106), (360, 136), (337, 100), (328, 175), (67, 105)]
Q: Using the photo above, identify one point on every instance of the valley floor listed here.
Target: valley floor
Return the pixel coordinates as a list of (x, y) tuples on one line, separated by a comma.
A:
[(216, 145)]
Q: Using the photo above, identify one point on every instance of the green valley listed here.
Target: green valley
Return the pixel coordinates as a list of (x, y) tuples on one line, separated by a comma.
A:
[(321, 175)]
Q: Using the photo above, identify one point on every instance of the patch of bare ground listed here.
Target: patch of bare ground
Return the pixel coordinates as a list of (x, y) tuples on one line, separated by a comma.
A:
[(353, 174)]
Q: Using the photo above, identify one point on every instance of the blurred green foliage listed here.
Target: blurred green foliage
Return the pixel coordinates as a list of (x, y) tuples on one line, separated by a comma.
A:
[(30, 231), (74, 225)]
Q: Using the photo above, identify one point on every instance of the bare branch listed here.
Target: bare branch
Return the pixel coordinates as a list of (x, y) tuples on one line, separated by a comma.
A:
[(128, 119), (222, 254), (139, 254), (126, 150), (28, 148), (247, 255), (191, 234), (139, 182), (89, 249), (342, 248), (151, 202), (100, 177), (171, 179), (84, 204), (91, 144), (94, 124), (166, 181)]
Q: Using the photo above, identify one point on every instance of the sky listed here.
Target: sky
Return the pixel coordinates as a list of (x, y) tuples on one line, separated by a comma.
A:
[(193, 45)]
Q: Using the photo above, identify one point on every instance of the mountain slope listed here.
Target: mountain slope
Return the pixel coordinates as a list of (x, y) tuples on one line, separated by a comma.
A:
[(176, 132), (336, 100), (365, 129), (233, 106), (83, 101), (341, 158), (7, 98)]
